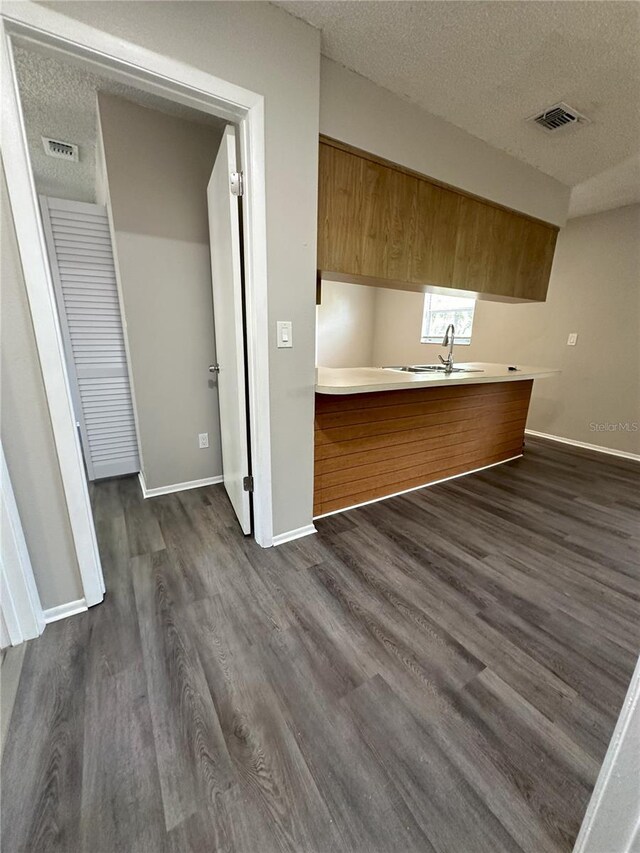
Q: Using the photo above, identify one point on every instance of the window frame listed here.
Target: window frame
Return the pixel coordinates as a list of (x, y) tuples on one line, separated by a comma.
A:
[(427, 311)]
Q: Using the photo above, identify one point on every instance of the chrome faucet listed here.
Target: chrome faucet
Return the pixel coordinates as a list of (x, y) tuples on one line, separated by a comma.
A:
[(448, 341)]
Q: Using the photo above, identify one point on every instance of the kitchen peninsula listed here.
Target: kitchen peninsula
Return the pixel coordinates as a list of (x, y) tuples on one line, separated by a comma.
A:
[(381, 431)]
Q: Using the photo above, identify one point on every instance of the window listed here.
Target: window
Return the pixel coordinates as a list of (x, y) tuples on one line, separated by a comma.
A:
[(439, 311)]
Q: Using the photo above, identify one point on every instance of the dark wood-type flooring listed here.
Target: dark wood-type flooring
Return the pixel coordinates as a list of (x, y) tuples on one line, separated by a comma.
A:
[(438, 672)]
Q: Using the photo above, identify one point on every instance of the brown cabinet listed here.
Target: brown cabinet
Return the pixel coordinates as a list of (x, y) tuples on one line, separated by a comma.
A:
[(433, 249), (382, 224)]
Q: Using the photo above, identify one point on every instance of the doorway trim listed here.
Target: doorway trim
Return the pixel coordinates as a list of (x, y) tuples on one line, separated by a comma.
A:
[(21, 608), (177, 81)]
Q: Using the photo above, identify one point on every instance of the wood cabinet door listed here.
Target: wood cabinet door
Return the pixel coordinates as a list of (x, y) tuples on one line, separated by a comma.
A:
[(436, 233), (521, 256), (366, 216), (388, 222), (500, 253), (504, 259), (473, 246), (536, 259), (340, 196)]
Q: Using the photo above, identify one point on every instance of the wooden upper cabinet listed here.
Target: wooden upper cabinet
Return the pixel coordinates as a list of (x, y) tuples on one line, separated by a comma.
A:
[(365, 212), (340, 193), (388, 218), (436, 232), (473, 247), (536, 258), (383, 224)]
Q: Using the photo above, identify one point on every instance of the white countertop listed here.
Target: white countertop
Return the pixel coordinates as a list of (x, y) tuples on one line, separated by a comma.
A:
[(363, 380)]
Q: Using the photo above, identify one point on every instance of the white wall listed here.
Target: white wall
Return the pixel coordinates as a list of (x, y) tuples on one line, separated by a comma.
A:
[(262, 48), (346, 320), (157, 168), (356, 111), (27, 436), (594, 291)]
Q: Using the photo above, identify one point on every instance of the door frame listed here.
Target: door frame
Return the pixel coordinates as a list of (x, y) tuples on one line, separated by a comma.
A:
[(613, 814), (21, 607), (177, 81)]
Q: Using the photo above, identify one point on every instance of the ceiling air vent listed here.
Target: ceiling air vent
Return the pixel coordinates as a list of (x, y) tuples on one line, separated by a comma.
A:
[(62, 150), (558, 116)]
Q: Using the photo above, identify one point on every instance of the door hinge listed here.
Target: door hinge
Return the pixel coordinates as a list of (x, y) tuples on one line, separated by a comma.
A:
[(237, 183), (247, 483)]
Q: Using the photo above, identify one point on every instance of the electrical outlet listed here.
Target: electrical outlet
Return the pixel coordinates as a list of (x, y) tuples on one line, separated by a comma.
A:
[(203, 440), (572, 339)]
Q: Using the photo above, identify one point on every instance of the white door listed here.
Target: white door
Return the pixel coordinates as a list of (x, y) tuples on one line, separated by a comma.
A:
[(84, 277), (226, 280)]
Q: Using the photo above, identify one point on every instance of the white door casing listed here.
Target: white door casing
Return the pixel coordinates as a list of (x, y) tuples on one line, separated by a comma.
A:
[(22, 616), (612, 820), (226, 282), (39, 288)]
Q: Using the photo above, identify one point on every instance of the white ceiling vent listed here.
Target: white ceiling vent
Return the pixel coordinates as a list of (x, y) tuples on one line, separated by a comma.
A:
[(62, 150), (558, 116)]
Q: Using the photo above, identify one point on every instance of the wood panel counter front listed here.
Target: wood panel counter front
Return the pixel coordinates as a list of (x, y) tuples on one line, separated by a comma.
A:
[(376, 444)]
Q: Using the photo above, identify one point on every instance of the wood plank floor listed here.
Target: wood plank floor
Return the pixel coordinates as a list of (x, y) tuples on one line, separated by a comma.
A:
[(438, 672)]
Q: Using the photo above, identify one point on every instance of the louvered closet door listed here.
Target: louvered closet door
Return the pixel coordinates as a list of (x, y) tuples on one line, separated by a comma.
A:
[(79, 245)]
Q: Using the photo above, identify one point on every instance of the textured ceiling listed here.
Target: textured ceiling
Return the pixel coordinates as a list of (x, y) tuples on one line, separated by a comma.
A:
[(487, 66), (59, 100), (614, 187)]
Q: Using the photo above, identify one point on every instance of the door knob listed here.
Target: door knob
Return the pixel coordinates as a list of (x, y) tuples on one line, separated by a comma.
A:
[(214, 368)]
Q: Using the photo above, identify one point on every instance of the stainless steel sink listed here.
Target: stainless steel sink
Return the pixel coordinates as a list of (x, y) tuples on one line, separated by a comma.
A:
[(431, 368)]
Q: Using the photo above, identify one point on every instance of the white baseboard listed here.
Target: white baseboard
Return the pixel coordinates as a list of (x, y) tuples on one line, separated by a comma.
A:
[(71, 608), (290, 535), (177, 487), (423, 486), (623, 454)]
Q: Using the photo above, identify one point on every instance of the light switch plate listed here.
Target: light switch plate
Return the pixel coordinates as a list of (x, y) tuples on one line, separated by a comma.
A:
[(285, 333), (572, 339)]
